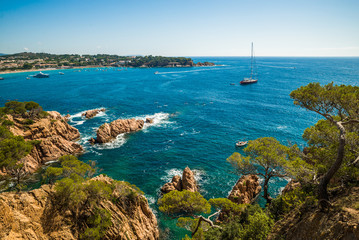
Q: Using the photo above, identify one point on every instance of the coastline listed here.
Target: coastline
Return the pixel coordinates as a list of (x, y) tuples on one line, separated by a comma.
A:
[(49, 69), (82, 67)]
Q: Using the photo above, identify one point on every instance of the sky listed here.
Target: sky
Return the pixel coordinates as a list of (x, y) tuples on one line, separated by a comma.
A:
[(181, 28)]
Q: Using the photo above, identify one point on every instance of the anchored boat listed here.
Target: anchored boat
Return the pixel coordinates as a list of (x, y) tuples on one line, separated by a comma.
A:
[(252, 78)]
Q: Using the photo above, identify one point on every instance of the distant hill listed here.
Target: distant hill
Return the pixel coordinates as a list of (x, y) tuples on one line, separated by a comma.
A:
[(2, 54)]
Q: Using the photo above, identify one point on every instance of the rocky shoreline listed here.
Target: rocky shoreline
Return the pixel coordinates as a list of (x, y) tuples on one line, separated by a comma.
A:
[(54, 135), (32, 215)]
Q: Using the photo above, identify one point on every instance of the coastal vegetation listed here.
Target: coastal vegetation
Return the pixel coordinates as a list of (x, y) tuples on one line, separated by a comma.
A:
[(324, 178), (321, 173), (28, 61)]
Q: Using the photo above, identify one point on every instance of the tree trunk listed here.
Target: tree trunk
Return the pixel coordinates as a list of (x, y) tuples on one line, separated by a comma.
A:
[(265, 189), (322, 188)]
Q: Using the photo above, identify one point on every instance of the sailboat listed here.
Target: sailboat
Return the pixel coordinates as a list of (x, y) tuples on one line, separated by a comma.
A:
[(252, 78)]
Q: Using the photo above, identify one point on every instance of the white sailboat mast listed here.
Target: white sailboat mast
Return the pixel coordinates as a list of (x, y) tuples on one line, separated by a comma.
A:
[(252, 61)]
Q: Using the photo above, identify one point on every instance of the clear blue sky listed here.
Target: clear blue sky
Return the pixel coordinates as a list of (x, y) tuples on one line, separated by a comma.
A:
[(181, 28)]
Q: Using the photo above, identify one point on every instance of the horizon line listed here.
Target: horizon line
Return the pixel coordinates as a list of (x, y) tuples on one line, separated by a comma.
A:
[(141, 55)]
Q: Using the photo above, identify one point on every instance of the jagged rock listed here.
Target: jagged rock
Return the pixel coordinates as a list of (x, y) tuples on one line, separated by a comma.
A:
[(67, 117), (306, 221), (92, 113), (168, 187), (149, 120), (31, 215), (107, 132), (175, 184), (92, 141), (187, 182), (245, 190), (55, 138)]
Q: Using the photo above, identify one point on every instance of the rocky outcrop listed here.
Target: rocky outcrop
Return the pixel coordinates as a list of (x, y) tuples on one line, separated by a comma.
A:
[(187, 182), (204, 64), (55, 138), (245, 190), (92, 113), (107, 132), (28, 215), (149, 120), (341, 221)]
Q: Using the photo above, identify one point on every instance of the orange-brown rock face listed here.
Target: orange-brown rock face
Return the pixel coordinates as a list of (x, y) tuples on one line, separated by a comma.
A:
[(56, 137), (187, 182), (92, 113), (107, 132), (340, 221), (28, 215), (245, 190)]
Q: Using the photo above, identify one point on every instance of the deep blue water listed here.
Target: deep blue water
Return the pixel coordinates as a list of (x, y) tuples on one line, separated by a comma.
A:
[(198, 115)]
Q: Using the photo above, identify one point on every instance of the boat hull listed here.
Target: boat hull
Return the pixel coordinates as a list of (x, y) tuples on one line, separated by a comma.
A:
[(244, 82)]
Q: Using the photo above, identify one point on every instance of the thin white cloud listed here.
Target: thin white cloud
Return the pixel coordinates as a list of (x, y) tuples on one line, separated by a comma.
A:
[(26, 49)]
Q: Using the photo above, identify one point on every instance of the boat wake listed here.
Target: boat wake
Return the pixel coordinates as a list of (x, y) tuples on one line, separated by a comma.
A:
[(190, 71)]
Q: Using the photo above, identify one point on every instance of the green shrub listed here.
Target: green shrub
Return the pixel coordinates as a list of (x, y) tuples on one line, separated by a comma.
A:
[(7, 123), (31, 105), (28, 121)]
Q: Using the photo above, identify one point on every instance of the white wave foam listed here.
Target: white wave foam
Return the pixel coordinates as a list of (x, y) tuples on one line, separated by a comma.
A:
[(193, 132), (159, 120), (78, 119), (189, 71), (116, 143), (198, 175)]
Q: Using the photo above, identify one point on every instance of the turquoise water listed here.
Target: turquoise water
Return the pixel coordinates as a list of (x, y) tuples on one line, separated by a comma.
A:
[(198, 115)]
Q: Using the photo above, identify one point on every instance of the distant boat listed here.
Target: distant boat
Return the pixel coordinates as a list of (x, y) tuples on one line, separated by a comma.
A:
[(1, 78), (156, 72), (27, 77), (61, 73), (252, 78), (41, 75)]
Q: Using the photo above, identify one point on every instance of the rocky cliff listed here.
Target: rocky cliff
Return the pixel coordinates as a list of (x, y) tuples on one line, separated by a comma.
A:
[(306, 222), (107, 132), (55, 137), (187, 182), (28, 215)]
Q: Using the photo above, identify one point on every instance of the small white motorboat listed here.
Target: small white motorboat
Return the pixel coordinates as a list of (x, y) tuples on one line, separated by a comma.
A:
[(241, 143)]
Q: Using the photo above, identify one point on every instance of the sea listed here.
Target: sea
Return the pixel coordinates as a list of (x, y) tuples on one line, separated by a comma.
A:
[(198, 116)]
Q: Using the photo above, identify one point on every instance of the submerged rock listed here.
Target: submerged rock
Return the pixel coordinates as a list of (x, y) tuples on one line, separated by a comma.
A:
[(187, 182), (107, 132)]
